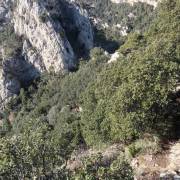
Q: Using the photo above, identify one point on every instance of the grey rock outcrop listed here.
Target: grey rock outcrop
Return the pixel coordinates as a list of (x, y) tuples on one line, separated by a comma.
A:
[(31, 55), (4, 13), (82, 23), (32, 20), (51, 31), (75, 21), (15, 73)]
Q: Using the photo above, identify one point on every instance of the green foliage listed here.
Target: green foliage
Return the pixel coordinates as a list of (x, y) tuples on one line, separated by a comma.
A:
[(44, 17), (100, 103), (133, 150), (94, 169), (145, 145), (133, 95), (10, 42), (136, 18), (33, 153), (48, 116), (120, 169)]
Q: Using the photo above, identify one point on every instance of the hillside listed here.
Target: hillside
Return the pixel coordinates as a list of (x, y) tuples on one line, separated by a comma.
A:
[(72, 110), (113, 21)]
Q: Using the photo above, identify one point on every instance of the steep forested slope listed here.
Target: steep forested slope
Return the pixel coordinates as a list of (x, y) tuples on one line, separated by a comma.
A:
[(100, 104), (113, 21), (134, 94)]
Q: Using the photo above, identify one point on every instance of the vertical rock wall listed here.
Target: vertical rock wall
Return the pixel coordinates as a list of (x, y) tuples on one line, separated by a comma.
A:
[(32, 20)]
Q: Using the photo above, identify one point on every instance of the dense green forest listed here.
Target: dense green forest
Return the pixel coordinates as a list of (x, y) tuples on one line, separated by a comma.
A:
[(115, 18), (98, 105)]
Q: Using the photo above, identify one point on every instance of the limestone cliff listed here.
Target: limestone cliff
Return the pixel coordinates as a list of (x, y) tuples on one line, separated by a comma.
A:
[(15, 73), (75, 21), (4, 12), (52, 32), (50, 36), (32, 20)]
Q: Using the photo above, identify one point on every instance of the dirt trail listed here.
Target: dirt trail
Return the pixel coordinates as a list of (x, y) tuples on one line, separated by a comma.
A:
[(164, 165)]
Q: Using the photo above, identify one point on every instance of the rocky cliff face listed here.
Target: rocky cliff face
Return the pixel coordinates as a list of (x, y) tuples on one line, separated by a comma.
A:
[(48, 28), (75, 22), (4, 12), (32, 20), (15, 73)]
